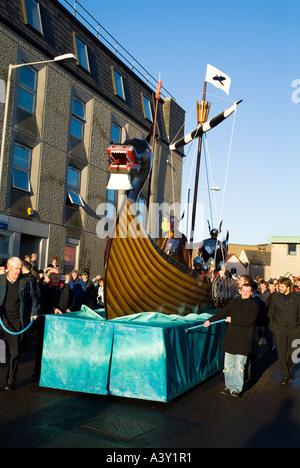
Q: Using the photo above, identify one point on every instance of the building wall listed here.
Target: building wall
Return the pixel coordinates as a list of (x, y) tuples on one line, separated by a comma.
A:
[(282, 262), (54, 224)]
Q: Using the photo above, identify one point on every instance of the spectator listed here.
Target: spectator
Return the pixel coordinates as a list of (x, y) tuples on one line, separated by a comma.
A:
[(27, 273), (18, 302), (54, 263), (284, 314), (90, 296), (56, 297), (99, 285), (33, 261), (67, 277), (2, 267), (266, 294), (78, 288)]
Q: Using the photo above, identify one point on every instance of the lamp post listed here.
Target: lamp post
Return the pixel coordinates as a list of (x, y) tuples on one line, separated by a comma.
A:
[(208, 190), (59, 58)]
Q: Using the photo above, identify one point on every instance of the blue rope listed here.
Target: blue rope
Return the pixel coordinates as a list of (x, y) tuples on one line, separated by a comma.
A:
[(16, 333), (199, 326)]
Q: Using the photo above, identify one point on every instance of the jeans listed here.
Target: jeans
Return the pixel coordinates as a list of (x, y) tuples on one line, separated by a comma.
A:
[(234, 365)]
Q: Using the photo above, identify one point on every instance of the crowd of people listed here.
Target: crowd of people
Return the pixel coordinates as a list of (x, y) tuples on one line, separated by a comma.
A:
[(262, 311), (27, 293)]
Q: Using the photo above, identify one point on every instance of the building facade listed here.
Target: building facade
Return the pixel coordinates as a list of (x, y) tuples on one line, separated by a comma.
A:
[(278, 258), (285, 256), (60, 119)]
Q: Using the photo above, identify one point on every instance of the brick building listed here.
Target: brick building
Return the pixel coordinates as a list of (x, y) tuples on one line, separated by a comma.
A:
[(61, 117)]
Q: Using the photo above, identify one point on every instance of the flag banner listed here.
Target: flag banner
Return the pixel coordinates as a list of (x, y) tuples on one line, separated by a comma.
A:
[(217, 78)]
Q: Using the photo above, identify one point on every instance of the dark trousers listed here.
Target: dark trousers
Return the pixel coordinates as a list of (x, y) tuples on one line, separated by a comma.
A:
[(39, 347), (284, 354), (13, 345)]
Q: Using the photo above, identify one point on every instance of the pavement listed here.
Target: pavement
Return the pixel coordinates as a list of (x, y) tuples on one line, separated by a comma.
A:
[(266, 416)]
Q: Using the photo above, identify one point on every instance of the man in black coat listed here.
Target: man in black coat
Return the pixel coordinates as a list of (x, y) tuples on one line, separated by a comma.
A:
[(18, 304), (240, 313), (284, 315), (56, 297)]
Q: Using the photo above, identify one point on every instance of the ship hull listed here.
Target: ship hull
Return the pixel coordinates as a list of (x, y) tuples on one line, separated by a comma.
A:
[(140, 277)]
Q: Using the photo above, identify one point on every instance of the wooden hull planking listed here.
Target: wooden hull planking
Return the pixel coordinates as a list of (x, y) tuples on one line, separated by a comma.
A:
[(138, 277)]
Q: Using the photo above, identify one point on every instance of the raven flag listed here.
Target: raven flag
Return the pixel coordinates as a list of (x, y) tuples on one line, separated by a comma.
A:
[(217, 78)]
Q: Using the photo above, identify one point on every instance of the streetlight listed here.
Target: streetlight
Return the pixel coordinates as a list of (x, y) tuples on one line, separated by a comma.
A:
[(214, 189), (59, 58)]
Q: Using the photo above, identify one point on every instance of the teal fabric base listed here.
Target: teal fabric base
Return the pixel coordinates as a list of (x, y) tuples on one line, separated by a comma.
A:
[(149, 356)]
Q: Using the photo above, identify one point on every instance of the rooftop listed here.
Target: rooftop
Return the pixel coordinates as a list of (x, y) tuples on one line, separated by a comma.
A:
[(93, 25), (285, 239)]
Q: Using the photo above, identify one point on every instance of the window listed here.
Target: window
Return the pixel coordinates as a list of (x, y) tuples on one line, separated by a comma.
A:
[(27, 89), (70, 256), (4, 246), (73, 187), (111, 201), (292, 249), (21, 168), (118, 85), (116, 131), (32, 14), (142, 212), (147, 108), (78, 118), (82, 54)]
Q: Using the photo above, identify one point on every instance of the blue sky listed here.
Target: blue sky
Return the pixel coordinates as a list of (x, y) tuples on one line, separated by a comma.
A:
[(257, 44)]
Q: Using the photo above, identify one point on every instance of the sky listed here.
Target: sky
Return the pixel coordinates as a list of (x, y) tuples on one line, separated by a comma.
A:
[(256, 43)]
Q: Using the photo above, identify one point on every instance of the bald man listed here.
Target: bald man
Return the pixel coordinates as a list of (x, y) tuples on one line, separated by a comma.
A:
[(18, 304)]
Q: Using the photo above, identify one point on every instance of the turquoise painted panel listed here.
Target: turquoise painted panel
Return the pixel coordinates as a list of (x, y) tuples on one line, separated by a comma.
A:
[(149, 356), (76, 354)]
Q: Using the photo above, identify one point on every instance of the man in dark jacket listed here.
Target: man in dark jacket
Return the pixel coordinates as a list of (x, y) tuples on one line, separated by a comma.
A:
[(284, 315), (56, 297), (18, 303), (240, 313)]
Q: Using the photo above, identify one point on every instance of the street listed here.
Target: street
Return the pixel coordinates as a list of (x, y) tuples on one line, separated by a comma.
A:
[(267, 415)]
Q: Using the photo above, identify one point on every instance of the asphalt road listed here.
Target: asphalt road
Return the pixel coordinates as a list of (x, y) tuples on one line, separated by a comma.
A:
[(267, 415)]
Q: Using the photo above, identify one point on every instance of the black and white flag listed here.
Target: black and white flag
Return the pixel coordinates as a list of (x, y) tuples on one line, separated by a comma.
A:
[(217, 78)]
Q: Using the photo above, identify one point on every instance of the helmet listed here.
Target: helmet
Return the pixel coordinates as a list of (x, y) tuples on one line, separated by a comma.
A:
[(214, 232), (210, 263), (198, 261), (222, 265)]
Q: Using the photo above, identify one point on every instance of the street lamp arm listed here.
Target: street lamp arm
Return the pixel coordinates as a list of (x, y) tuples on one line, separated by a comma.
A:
[(59, 58)]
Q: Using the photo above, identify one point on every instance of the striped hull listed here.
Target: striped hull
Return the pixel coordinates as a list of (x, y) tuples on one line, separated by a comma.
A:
[(140, 277)]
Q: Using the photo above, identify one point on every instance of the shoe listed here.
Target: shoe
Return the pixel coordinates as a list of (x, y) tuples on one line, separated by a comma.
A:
[(225, 391), (235, 394), (284, 382), (9, 387)]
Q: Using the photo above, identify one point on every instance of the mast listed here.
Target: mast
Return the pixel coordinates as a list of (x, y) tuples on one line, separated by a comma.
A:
[(157, 98), (202, 115)]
